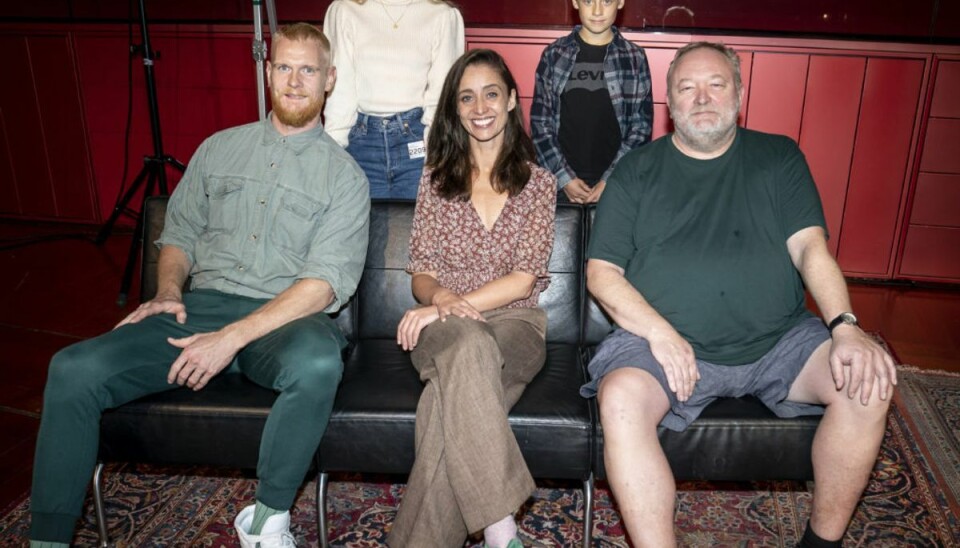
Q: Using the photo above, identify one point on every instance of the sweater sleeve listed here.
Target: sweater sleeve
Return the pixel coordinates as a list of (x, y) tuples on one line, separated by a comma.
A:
[(448, 46), (340, 113)]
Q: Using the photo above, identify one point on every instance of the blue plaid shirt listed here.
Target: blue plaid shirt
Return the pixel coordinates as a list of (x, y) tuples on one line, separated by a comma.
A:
[(627, 75)]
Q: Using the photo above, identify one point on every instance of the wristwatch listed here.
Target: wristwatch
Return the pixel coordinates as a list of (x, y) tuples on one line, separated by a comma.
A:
[(844, 317)]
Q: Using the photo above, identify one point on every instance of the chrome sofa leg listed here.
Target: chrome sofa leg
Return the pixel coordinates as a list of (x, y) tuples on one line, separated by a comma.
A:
[(588, 511), (98, 506), (323, 480)]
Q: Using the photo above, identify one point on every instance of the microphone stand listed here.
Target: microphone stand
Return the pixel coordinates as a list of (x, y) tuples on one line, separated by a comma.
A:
[(153, 174)]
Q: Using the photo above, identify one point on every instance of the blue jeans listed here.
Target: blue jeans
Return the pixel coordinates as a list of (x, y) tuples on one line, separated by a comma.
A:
[(383, 147)]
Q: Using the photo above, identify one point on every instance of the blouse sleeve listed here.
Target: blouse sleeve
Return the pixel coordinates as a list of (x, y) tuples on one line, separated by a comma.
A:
[(533, 250), (340, 112), (424, 234)]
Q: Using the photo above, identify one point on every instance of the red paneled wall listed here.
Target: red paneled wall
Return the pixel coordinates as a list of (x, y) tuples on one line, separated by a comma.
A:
[(931, 250), (45, 167)]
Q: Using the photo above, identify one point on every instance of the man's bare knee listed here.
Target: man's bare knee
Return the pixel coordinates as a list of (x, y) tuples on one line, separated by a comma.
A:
[(631, 396)]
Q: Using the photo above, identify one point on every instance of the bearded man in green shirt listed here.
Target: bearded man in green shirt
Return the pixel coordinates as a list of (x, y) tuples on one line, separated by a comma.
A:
[(270, 220)]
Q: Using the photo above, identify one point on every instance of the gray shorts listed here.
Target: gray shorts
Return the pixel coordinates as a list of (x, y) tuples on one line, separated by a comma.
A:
[(769, 378)]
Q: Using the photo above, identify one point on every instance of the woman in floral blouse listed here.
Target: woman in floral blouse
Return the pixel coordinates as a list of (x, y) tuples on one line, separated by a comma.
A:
[(482, 236)]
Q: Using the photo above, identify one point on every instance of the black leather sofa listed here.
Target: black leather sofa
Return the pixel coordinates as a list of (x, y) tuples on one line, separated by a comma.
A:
[(372, 426)]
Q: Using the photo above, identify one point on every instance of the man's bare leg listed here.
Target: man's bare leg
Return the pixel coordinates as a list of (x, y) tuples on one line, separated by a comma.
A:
[(632, 403), (845, 447)]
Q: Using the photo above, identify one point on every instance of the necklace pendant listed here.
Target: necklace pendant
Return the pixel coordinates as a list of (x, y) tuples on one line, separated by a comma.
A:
[(396, 26)]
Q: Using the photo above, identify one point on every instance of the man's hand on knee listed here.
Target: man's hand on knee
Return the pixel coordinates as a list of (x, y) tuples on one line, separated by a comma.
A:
[(858, 363), (204, 355), (676, 357), (161, 304)]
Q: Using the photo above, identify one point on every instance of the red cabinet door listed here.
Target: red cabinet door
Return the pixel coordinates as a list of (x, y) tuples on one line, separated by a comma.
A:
[(829, 123), (878, 176), (777, 93)]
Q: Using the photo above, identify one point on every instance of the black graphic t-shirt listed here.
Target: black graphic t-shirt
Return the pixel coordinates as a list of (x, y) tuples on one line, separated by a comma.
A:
[(589, 131)]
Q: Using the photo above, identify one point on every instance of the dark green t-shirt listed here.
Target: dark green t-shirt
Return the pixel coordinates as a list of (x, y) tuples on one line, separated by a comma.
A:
[(704, 241)]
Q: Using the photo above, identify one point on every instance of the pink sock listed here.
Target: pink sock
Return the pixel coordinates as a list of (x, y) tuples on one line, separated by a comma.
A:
[(499, 534)]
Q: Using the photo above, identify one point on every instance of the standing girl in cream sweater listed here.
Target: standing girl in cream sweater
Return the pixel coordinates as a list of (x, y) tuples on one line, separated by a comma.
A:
[(391, 58)]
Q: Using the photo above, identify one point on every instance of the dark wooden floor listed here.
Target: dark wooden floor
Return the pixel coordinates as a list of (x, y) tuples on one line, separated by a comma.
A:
[(57, 292)]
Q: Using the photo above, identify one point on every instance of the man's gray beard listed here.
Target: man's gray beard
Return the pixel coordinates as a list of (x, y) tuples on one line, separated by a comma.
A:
[(704, 141), (709, 140)]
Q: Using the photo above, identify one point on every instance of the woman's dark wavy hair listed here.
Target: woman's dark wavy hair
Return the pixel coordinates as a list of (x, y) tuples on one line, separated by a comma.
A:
[(448, 145)]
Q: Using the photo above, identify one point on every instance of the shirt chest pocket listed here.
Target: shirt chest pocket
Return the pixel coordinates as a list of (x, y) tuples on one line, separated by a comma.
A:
[(296, 223), (225, 199)]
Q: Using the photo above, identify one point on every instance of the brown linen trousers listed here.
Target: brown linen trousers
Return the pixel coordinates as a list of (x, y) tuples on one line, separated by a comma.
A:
[(469, 472)]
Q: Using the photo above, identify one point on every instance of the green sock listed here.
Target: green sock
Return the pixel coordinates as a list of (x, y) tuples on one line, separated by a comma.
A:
[(260, 516), (47, 544)]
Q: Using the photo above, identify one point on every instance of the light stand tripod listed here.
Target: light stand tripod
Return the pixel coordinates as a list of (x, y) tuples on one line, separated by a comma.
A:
[(260, 48), (153, 172)]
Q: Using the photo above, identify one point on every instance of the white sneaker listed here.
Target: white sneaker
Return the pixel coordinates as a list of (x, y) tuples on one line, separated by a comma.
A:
[(275, 532)]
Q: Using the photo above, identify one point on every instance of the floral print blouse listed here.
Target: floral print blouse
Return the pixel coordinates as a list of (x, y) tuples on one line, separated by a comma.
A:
[(449, 238)]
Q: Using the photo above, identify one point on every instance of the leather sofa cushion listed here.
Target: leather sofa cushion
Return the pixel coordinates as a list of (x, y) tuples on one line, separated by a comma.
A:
[(373, 422)]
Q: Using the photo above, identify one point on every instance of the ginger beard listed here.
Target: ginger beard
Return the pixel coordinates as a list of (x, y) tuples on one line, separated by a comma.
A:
[(305, 108)]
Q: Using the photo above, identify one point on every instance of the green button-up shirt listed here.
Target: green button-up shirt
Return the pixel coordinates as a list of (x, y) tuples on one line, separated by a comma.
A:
[(257, 210)]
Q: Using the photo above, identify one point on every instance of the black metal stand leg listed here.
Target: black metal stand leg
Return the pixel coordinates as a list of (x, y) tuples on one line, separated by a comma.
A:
[(121, 206)]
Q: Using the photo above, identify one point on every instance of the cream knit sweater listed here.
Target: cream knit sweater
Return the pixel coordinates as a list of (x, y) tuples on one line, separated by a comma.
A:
[(391, 56)]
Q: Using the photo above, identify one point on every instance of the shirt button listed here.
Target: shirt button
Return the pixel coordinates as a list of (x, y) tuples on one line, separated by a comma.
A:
[(263, 202), (240, 268), (273, 164), (253, 237)]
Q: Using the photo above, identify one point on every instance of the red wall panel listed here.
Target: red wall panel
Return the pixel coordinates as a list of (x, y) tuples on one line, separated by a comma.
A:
[(828, 128), (63, 127), (888, 109), (662, 124), (941, 145), (746, 72), (936, 200), (931, 252), (946, 90), (776, 98), (27, 145), (659, 61)]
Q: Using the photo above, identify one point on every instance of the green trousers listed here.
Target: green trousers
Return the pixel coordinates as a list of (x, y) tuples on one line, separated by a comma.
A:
[(301, 360)]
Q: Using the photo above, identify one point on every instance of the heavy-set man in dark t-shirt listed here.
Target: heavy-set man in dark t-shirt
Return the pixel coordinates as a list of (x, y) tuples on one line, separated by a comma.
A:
[(703, 243)]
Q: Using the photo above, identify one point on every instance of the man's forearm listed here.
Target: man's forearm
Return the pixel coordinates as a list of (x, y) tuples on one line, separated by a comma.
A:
[(607, 283), (820, 272), (826, 284), (303, 298), (173, 267)]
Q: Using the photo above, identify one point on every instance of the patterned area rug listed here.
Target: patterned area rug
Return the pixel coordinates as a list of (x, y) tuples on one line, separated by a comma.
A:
[(912, 498)]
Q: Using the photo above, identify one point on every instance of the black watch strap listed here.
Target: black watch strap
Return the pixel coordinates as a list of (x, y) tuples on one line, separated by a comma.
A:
[(843, 318)]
